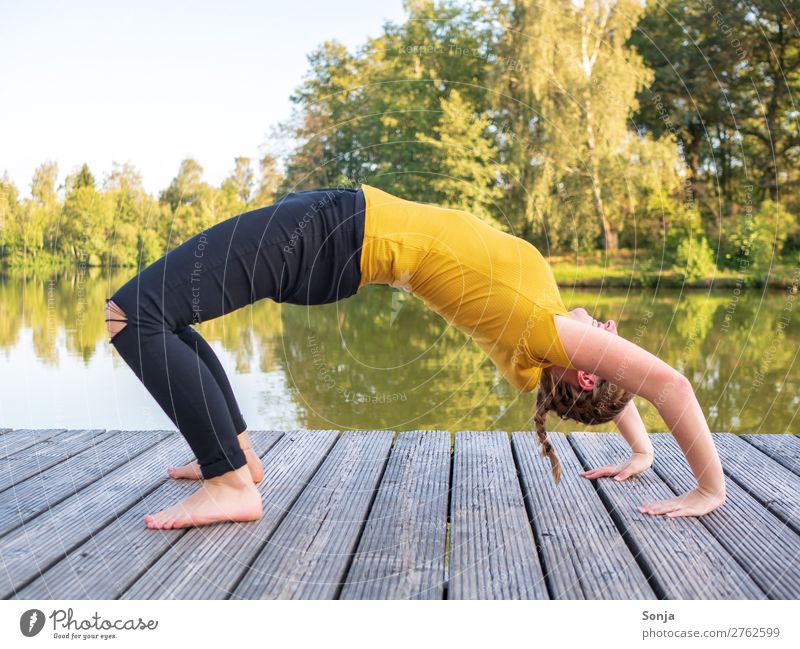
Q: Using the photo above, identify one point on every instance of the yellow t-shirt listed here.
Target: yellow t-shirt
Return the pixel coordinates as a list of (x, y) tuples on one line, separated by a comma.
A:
[(493, 286)]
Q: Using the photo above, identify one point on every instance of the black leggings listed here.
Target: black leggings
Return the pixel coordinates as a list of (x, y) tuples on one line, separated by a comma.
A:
[(303, 249)]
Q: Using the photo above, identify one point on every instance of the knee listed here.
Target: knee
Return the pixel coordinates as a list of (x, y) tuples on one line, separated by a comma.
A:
[(116, 320)]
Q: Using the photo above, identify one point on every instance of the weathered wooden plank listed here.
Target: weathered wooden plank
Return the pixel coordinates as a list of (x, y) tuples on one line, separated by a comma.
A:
[(208, 562), (17, 440), (41, 492), (492, 551), (31, 549), (771, 484), (681, 557), (47, 453), (402, 550), (308, 556), (756, 538), (110, 560), (784, 449), (583, 553)]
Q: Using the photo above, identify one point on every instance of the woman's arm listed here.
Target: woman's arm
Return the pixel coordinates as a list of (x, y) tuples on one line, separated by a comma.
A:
[(631, 426), (635, 369)]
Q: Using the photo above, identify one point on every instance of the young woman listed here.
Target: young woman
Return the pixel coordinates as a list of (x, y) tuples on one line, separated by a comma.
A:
[(319, 246)]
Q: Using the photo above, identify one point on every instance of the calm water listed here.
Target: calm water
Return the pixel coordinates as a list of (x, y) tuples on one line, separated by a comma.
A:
[(381, 360)]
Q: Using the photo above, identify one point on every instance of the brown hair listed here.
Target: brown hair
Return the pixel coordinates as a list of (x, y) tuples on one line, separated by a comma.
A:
[(595, 406)]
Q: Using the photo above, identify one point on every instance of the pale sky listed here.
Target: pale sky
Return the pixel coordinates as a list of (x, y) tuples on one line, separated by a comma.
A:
[(152, 82)]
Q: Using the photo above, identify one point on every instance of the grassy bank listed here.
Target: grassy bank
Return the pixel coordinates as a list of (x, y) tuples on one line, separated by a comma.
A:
[(625, 269), (643, 268)]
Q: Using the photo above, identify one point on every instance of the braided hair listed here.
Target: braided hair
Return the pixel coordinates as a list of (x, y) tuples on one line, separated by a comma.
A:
[(597, 406)]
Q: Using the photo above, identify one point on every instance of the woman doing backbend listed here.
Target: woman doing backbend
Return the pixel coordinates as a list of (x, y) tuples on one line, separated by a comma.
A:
[(319, 246)]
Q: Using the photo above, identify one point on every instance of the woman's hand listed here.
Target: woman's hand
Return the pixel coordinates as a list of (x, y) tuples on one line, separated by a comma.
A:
[(637, 463), (693, 503)]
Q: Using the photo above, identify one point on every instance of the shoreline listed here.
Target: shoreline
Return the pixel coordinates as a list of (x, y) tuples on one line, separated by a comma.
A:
[(620, 273)]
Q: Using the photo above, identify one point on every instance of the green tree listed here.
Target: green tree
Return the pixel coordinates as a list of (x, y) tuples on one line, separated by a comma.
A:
[(269, 181), (187, 187), (324, 121), (770, 127), (725, 82), (237, 188), (39, 217), (133, 237), (756, 238), (566, 108), (463, 153), (9, 208), (86, 220), (694, 78), (193, 204), (358, 115)]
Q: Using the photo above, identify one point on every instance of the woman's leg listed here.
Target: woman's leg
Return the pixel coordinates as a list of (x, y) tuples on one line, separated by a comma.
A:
[(264, 253), (226, 267), (185, 388), (188, 393), (198, 344), (192, 470)]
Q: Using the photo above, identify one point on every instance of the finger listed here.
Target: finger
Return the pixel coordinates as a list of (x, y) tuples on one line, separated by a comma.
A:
[(601, 472), (595, 470)]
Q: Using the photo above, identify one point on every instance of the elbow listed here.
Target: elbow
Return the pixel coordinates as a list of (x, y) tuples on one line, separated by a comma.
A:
[(682, 385), (672, 385)]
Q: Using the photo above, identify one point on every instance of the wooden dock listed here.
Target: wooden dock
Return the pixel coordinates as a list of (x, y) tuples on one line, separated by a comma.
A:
[(374, 515)]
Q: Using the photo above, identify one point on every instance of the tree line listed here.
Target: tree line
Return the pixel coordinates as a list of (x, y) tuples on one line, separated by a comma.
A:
[(578, 125), (116, 222)]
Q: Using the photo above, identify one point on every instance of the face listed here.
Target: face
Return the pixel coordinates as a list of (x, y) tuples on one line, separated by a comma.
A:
[(579, 378)]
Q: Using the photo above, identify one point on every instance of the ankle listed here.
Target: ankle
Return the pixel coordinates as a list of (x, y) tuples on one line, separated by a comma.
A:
[(244, 440), (239, 479)]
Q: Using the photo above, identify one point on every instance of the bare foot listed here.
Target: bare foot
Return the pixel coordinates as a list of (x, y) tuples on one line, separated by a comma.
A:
[(231, 496), (192, 470)]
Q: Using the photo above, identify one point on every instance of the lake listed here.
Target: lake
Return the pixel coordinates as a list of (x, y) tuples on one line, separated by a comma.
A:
[(380, 359)]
